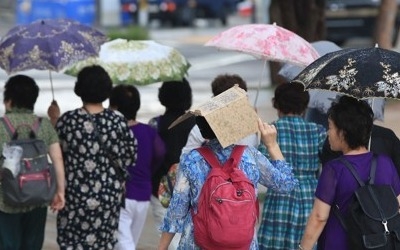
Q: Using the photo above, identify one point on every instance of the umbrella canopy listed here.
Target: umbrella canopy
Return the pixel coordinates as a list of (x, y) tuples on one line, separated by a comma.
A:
[(361, 73), (266, 41), (49, 44), (137, 62), (321, 99)]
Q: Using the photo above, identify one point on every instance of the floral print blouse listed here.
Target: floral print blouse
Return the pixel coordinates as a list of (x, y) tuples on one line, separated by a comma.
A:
[(192, 173)]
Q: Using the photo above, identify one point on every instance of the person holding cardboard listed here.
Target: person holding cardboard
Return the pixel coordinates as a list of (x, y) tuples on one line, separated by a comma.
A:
[(223, 120), (218, 85)]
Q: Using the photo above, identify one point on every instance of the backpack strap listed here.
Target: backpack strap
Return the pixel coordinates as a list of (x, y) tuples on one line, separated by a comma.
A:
[(370, 189), (371, 180), (13, 132), (372, 171), (7, 124), (209, 156), (236, 155), (213, 161)]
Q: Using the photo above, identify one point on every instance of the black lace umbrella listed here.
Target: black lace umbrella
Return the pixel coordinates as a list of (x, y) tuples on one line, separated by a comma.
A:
[(361, 73)]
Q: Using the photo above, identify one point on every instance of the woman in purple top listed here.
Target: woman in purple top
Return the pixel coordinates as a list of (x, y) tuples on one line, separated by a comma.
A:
[(350, 124), (151, 151)]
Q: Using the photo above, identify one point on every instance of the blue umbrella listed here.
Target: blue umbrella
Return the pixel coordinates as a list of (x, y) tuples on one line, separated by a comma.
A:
[(49, 44)]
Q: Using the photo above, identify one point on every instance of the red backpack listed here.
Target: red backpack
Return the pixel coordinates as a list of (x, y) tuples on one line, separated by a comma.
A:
[(227, 210)]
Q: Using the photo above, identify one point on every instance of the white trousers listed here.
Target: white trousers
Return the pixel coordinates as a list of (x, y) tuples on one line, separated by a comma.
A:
[(131, 223), (159, 212)]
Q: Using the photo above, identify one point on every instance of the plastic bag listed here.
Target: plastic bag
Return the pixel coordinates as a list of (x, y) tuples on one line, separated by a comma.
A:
[(12, 158)]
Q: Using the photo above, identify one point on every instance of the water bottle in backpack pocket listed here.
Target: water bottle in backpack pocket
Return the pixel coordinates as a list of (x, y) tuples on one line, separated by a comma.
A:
[(32, 179)]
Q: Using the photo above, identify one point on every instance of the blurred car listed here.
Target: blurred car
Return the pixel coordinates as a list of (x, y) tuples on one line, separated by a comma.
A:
[(129, 11), (347, 19), (184, 12)]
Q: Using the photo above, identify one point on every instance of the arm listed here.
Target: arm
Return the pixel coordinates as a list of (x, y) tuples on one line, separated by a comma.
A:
[(395, 151), (128, 142), (315, 224), (58, 202), (165, 240), (268, 137), (276, 174), (398, 199)]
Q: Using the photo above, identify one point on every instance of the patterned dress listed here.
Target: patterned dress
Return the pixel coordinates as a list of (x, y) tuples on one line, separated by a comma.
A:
[(94, 189), (192, 173), (284, 216)]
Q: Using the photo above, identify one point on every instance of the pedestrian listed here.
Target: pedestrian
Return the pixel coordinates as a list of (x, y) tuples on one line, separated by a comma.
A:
[(176, 97), (193, 171), (24, 227), (382, 141), (350, 124), (284, 216), (219, 84), (150, 154), (97, 146)]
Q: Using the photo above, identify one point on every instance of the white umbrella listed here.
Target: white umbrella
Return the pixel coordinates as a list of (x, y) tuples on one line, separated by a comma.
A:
[(137, 62)]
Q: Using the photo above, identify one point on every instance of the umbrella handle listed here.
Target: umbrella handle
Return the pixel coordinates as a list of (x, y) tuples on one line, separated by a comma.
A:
[(51, 84), (259, 83)]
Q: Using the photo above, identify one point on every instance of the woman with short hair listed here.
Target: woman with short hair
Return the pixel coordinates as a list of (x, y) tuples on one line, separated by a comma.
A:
[(284, 216), (24, 227), (97, 146), (350, 124)]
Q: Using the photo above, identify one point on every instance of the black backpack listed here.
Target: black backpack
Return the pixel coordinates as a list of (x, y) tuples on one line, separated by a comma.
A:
[(34, 183), (373, 220)]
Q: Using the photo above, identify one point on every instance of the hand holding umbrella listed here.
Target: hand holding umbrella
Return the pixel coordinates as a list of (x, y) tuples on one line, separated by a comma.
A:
[(53, 112)]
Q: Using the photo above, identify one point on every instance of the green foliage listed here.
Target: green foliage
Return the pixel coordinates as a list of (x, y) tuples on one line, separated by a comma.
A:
[(132, 32)]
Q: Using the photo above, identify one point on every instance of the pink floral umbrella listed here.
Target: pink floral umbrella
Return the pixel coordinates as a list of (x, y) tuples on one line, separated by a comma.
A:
[(268, 42)]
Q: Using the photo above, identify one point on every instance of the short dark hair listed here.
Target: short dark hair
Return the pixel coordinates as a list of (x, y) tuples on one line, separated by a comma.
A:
[(126, 99), (224, 82), (176, 95), (353, 117), (291, 98), (22, 91), (93, 84), (205, 128)]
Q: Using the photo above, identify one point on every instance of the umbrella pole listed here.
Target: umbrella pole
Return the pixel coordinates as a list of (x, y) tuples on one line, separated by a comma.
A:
[(259, 83), (372, 107), (51, 84)]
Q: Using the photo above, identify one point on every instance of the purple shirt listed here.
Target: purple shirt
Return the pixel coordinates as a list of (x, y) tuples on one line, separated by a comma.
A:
[(336, 185), (151, 151)]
